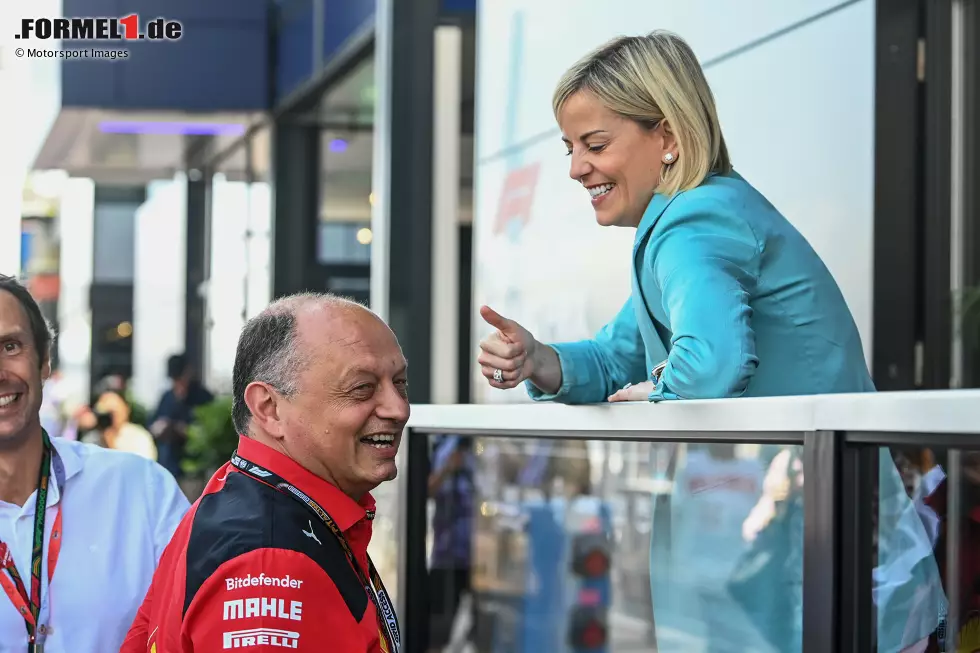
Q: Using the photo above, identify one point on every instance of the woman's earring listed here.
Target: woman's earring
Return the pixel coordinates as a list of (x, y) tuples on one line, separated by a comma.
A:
[(668, 158)]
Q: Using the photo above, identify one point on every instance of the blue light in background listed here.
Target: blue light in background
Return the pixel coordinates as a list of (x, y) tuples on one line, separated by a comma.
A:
[(26, 240), (171, 128), (338, 145)]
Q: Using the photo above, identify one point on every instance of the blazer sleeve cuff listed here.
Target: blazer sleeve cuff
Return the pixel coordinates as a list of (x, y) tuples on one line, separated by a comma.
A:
[(574, 375), (660, 393)]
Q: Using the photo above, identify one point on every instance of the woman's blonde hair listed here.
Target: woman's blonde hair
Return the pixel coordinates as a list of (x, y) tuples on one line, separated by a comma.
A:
[(649, 79)]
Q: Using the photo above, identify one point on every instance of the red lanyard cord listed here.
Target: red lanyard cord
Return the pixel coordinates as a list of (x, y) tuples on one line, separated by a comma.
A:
[(387, 620), (29, 606)]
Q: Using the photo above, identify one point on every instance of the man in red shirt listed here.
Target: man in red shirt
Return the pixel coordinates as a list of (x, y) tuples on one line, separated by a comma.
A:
[(274, 554)]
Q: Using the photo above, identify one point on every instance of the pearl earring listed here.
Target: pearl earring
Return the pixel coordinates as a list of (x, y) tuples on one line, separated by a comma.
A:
[(668, 157)]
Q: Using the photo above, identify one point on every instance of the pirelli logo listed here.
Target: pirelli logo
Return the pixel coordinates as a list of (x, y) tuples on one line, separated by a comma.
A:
[(261, 637)]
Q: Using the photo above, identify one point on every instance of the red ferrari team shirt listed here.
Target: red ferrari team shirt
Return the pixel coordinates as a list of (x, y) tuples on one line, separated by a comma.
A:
[(252, 568)]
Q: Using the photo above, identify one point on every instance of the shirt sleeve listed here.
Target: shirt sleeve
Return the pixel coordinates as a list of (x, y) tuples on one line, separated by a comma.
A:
[(591, 370), (268, 600), (706, 265), (168, 505), (138, 636)]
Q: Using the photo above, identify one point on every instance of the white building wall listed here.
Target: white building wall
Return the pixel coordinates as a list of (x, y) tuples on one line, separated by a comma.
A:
[(226, 286), (258, 283), (30, 90), (76, 225), (240, 283), (794, 84), (159, 280)]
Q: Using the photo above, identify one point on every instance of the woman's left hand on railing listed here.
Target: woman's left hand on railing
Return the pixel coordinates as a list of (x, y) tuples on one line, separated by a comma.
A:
[(631, 392)]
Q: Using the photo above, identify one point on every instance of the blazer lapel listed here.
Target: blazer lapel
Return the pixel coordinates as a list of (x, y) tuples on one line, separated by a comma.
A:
[(653, 333), (652, 340), (655, 209)]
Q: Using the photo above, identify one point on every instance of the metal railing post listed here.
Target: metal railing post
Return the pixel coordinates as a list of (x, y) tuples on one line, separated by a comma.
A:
[(821, 540)]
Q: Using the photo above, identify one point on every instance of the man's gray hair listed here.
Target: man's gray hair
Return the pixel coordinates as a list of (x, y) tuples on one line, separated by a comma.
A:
[(268, 352)]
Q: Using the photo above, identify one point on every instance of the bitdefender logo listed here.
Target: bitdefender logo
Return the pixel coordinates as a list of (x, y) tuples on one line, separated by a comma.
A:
[(261, 637), (126, 28), (261, 580)]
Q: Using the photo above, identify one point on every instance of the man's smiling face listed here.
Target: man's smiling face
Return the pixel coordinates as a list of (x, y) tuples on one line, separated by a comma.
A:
[(22, 369)]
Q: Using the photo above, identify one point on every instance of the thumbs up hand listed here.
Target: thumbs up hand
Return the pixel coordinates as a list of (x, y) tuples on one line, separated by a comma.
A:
[(506, 355)]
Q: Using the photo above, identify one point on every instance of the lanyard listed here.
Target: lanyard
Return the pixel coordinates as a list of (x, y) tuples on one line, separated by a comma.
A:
[(29, 606), (372, 581)]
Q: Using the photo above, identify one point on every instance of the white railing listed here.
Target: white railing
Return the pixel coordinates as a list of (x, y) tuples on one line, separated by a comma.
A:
[(838, 433), (946, 411)]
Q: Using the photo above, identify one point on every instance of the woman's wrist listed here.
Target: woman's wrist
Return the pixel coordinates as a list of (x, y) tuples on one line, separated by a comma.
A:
[(545, 368), (534, 363)]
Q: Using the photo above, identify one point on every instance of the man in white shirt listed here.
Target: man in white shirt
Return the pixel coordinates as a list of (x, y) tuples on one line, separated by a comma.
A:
[(106, 516)]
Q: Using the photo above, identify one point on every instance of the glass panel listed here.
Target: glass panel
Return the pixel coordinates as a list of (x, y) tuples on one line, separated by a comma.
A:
[(385, 545), (927, 550), (965, 232), (114, 242), (557, 545), (344, 242)]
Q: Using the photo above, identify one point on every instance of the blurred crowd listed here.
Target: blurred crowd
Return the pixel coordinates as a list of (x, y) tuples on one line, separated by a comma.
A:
[(115, 420)]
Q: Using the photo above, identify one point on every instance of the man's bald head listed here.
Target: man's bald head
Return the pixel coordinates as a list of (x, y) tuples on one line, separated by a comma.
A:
[(324, 381), (275, 346)]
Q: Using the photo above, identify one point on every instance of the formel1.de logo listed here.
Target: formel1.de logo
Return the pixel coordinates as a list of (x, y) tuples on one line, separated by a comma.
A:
[(126, 28)]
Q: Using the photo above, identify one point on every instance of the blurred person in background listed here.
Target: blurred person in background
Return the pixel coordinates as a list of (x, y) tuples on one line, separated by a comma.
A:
[(176, 412), (108, 421), (95, 564), (936, 499), (728, 299), (91, 423), (320, 400), (112, 414), (451, 486), (111, 382)]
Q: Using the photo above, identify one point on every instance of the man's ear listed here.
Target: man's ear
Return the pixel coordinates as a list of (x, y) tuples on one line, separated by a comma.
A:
[(46, 369), (263, 404)]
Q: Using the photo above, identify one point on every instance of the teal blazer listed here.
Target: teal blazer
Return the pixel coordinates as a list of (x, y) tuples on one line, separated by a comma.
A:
[(735, 300)]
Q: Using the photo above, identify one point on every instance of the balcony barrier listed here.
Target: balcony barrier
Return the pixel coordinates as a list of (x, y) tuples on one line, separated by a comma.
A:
[(867, 584)]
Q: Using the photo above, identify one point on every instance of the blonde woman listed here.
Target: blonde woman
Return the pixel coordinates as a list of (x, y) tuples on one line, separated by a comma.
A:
[(728, 300), (724, 289)]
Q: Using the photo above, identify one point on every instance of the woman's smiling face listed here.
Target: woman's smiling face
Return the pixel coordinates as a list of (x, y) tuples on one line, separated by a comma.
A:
[(616, 159)]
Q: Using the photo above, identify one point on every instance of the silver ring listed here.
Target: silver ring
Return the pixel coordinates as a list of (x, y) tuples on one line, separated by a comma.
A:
[(628, 386), (498, 376)]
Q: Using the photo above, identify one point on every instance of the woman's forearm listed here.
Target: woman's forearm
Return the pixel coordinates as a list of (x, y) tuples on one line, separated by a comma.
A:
[(588, 371), (545, 368)]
